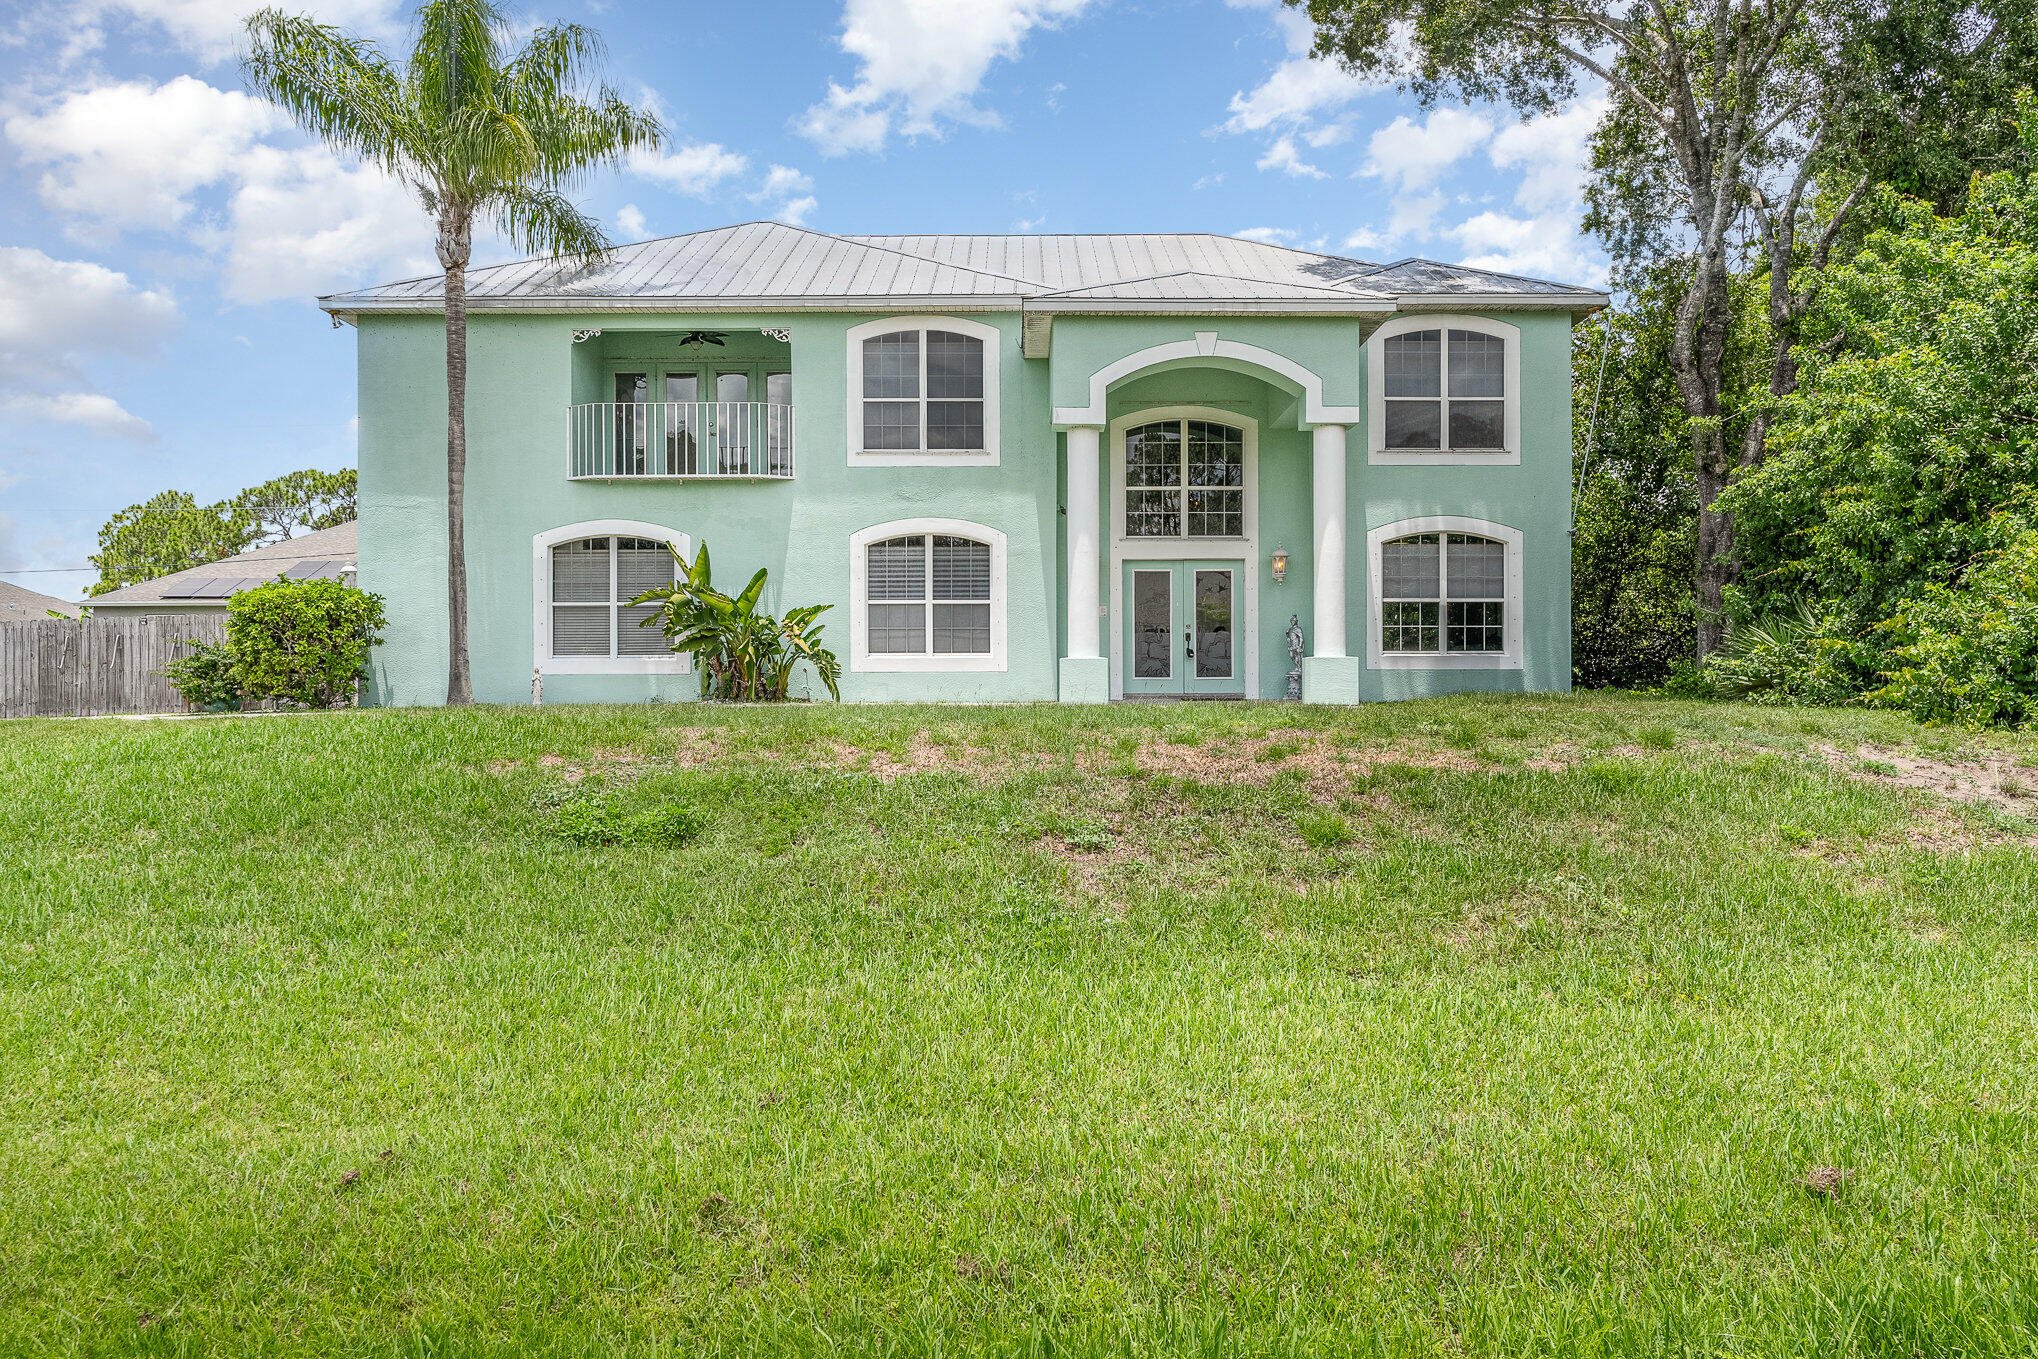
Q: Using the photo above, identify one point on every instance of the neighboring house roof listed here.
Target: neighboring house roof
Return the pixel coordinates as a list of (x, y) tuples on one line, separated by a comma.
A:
[(319, 555), (25, 606), (771, 264)]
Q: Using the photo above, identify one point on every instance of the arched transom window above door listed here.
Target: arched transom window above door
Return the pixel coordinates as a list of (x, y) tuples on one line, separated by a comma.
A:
[(1184, 478)]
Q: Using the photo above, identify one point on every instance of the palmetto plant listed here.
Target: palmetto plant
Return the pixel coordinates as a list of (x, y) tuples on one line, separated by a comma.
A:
[(477, 131), (742, 652)]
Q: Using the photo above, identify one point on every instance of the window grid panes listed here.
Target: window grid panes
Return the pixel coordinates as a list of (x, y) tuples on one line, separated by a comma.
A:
[(1205, 459), (593, 582), (1445, 391), (928, 594), (1443, 592), (923, 391)]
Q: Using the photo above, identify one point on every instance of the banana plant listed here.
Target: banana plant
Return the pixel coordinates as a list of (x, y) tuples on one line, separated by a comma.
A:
[(742, 652)]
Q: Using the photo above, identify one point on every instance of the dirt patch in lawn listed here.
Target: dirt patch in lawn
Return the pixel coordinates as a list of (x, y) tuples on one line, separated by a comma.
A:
[(1260, 759), (1992, 781)]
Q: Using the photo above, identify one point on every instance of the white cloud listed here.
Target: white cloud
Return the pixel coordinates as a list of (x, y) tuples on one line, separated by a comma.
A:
[(1414, 215), (794, 212), (921, 63), (1364, 239), (209, 29), (781, 181), (630, 221), (1551, 152), (301, 223), (1209, 181), (130, 155), (1543, 247), (1416, 155), (52, 307), (96, 411), (1266, 235), (1283, 156), (57, 317), (1301, 88), (697, 169)]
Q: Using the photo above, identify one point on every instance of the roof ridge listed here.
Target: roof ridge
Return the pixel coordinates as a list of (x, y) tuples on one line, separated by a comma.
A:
[(1467, 269), (1204, 273)]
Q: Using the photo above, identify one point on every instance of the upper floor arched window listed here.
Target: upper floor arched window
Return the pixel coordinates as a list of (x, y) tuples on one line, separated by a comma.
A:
[(1445, 389), (923, 390)]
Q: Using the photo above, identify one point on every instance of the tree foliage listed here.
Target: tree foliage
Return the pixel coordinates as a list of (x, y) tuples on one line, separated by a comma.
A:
[(173, 532), (1902, 474), (165, 533), (1636, 508), (479, 130)]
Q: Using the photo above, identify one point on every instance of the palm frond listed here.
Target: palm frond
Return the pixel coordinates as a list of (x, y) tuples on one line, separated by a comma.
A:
[(456, 58), (340, 89), (543, 222)]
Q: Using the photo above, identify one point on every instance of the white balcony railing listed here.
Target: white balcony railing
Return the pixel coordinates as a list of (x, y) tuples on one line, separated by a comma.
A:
[(682, 439)]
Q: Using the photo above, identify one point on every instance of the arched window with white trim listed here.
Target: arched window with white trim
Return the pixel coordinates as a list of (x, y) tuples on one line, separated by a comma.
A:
[(1445, 390), (1445, 593), (583, 579), (923, 390), (927, 594)]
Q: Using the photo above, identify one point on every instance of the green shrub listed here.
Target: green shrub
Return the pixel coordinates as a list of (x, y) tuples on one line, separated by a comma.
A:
[(302, 641), (591, 819), (1969, 654), (1786, 656), (207, 678)]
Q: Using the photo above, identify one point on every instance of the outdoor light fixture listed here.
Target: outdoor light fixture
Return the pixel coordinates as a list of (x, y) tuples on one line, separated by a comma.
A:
[(1280, 563)]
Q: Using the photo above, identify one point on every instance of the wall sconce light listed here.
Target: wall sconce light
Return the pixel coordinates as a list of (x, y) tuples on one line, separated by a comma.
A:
[(1280, 563)]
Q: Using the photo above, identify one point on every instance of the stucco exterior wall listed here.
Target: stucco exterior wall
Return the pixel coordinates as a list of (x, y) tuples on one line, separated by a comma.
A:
[(526, 371)]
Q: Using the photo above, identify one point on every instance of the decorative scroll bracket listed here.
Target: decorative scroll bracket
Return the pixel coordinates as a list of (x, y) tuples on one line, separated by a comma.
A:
[(779, 333), (587, 334)]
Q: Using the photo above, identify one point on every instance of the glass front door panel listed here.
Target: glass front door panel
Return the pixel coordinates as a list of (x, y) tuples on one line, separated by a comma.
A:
[(1153, 624), (1213, 623)]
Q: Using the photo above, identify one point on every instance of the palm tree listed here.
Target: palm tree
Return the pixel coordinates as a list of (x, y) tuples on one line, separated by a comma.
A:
[(476, 132)]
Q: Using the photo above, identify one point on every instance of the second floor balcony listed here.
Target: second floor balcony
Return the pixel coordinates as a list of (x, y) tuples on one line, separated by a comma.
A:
[(681, 440)]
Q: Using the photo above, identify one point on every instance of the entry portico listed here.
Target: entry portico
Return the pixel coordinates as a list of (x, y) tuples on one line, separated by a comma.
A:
[(1112, 432)]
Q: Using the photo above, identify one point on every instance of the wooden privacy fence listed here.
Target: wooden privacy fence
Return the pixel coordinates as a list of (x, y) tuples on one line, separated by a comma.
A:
[(62, 668)]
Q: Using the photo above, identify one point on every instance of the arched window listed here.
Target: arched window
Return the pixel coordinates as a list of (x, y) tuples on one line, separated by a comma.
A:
[(585, 576), (927, 594), (1446, 389), (923, 390), (1446, 592)]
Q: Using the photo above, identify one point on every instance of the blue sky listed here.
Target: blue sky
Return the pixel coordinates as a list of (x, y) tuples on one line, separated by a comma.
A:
[(165, 232)]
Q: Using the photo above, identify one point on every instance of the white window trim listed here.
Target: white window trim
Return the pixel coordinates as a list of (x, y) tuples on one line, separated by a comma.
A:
[(1380, 455), (1378, 658), (860, 657), (1243, 550), (542, 658), (987, 456)]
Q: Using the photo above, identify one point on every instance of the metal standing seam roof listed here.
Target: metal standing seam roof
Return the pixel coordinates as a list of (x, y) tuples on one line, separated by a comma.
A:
[(770, 263), (331, 549)]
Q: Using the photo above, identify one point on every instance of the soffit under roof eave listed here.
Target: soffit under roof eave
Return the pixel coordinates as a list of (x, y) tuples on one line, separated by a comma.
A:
[(1205, 306), (1421, 302)]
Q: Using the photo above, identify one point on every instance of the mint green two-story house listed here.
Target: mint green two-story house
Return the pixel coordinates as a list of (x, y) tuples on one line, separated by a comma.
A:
[(1074, 468)]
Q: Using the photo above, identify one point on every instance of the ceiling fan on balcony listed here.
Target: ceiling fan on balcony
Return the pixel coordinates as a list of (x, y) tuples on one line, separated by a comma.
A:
[(703, 337)]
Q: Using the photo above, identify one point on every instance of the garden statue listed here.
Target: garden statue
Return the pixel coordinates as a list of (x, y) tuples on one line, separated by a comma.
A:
[(1295, 655)]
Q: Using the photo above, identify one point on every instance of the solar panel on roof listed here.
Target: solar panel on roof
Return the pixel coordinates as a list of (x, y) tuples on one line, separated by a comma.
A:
[(209, 588), (307, 570)]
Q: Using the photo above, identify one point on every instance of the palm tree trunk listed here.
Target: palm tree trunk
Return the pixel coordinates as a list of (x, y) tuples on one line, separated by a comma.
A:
[(455, 246)]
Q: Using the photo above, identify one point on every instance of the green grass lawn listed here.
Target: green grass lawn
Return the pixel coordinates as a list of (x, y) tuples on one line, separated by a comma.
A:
[(1482, 1026)]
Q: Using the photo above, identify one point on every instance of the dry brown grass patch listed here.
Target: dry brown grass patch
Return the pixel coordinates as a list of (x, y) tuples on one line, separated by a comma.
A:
[(1990, 781)]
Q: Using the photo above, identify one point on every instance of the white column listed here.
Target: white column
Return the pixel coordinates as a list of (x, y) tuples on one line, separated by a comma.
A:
[(1328, 500), (1083, 527)]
